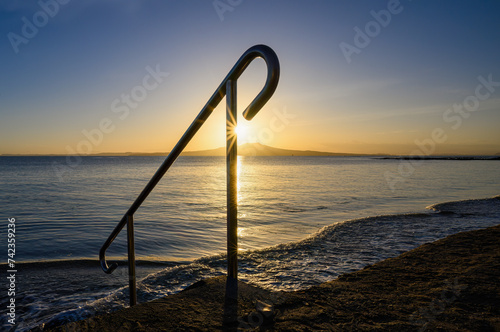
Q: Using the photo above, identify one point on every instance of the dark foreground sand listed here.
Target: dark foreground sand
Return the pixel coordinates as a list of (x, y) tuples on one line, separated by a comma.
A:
[(450, 285)]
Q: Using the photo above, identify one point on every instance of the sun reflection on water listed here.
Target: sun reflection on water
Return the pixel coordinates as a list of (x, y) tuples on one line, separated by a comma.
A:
[(239, 182)]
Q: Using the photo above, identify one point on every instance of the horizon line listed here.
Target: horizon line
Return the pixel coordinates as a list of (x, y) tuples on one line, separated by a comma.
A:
[(245, 146)]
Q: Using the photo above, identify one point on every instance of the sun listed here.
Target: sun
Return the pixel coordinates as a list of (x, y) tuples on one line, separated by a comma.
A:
[(241, 132)]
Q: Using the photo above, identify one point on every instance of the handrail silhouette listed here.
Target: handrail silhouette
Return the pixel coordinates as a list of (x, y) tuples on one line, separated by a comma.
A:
[(227, 89)]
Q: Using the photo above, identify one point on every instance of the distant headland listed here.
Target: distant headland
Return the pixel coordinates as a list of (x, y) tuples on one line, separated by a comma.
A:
[(257, 149), (247, 149), (261, 150)]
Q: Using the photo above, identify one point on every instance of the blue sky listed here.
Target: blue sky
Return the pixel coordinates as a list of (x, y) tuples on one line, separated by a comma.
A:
[(389, 96)]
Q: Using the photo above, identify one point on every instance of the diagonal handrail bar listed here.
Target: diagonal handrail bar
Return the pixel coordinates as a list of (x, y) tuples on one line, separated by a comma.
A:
[(273, 72)]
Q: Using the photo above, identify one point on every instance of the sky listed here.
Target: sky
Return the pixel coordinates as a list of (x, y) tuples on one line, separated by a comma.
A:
[(393, 77)]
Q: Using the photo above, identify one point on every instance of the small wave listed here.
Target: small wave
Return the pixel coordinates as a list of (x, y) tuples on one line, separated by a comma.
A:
[(482, 206), (336, 249), (298, 209)]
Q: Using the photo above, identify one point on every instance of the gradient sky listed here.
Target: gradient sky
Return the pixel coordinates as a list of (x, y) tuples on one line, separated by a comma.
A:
[(417, 74)]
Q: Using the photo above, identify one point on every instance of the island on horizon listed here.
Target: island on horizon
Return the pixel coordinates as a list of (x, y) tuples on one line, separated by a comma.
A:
[(247, 149), (261, 150)]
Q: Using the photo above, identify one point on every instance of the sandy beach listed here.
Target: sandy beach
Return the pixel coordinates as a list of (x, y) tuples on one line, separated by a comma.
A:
[(448, 285)]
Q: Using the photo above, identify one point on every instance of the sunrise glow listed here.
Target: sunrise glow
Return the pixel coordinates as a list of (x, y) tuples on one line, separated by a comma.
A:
[(139, 79)]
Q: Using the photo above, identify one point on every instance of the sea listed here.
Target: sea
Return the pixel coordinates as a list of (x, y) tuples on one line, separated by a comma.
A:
[(301, 221)]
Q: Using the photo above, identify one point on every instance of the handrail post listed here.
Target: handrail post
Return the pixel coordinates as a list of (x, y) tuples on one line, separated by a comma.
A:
[(232, 178), (131, 260)]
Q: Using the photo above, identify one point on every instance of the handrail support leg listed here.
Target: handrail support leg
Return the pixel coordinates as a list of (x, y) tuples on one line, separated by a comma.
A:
[(232, 178), (131, 260)]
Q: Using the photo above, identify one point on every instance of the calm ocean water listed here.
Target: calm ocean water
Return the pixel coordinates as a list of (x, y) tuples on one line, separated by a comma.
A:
[(302, 221)]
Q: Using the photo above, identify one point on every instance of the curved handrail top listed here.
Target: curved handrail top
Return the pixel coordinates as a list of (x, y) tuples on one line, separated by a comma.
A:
[(273, 74)]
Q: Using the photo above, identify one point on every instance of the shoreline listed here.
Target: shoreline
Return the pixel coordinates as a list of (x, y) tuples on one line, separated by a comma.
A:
[(449, 284)]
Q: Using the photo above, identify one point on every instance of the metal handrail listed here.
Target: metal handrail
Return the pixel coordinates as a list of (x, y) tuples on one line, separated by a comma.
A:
[(229, 83)]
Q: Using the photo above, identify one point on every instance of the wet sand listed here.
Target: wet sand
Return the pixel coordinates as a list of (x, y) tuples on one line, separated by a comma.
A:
[(449, 285)]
